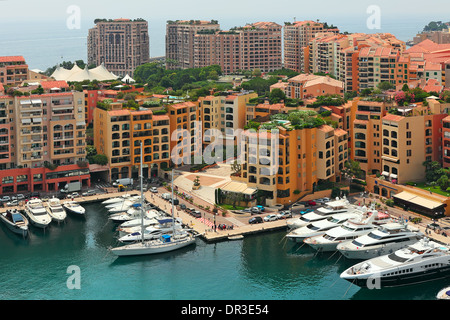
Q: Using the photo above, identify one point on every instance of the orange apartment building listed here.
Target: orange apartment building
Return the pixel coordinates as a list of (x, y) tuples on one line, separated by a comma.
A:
[(254, 46), (13, 70), (311, 86), (92, 97), (396, 145), (305, 157), (226, 113), (121, 45), (118, 134), (185, 131), (219, 48), (42, 142), (381, 64), (180, 41), (297, 36)]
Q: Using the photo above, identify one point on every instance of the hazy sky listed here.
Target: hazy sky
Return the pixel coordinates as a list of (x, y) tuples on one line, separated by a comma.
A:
[(38, 29), (278, 10)]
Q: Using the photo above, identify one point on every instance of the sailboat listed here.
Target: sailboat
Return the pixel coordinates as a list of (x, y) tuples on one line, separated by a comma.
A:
[(166, 242)]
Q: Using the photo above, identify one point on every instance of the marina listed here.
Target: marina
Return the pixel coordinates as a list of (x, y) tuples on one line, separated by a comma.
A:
[(257, 257)]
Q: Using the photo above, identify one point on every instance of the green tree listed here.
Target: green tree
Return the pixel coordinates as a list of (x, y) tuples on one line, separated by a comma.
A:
[(276, 95), (385, 85), (443, 182)]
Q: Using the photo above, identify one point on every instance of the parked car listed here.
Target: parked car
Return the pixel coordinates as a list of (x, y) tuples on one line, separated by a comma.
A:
[(284, 214), (74, 195), (271, 217), (306, 211), (154, 189), (311, 203), (256, 219), (5, 199), (255, 210), (89, 193), (20, 197), (12, 203), (196, 214), (182, 206), (261, 208)]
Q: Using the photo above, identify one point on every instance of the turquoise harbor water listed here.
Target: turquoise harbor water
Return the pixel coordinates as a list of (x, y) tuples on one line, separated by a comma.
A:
[(260, 267)]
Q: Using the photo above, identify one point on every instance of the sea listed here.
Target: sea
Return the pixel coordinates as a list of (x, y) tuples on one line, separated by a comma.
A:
[(47, 42), (72, 261)]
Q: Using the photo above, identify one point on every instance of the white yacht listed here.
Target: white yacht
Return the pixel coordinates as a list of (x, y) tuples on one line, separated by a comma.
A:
[(123, 231), (55, 210), (319, 227), (36, 213), (74, 207), (443, 294), (333, 207), (15, 221), (132, 214), (422, 261), (151, 232), (349, 230), (118, 199), (124, 207), (386, 239), (164, 243)]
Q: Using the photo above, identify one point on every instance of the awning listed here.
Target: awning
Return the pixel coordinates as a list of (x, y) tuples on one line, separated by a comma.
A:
[(26, 121), (384, 173), (417, 200), (393, 176), (37, 120), (36, 101), (390, 159)]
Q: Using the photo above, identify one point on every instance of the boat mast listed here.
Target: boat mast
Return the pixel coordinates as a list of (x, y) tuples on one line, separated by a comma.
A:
[(142, 198), (173, 217)]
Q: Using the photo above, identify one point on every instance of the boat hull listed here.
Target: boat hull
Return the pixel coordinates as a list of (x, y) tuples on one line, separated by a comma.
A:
[(74, 212), (400, 280), (21, 230), (39, 223), (365, 254), (137, 249)]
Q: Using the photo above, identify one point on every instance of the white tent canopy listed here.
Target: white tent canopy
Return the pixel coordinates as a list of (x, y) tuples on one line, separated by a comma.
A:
[(76, 74), (128, 79)]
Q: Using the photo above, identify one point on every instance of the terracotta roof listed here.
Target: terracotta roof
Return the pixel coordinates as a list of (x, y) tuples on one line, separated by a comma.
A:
[(47, 85), (339, 132), (393, 117), (160, 117), (12, 59)]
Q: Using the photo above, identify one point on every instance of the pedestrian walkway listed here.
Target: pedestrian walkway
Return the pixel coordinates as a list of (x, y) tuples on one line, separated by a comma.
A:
[(206, 221)]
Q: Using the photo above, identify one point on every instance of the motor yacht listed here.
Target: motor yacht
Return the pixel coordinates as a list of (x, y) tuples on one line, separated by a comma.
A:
[(319, 227), (15, 221), (386, 239), (74, 208), (333, 207), (164, 226), (119, 199), (55, 210), (132, 214), (349, 230), (420, 262), (37, 214)]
